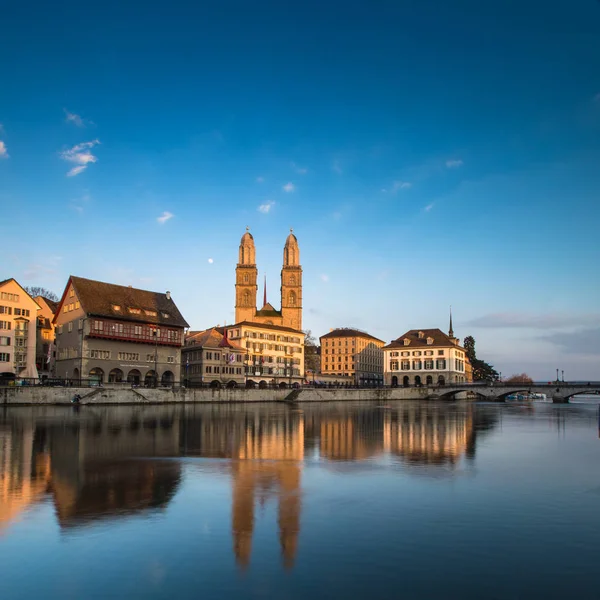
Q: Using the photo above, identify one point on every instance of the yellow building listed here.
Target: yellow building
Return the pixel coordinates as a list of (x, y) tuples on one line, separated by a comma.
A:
[(246, 287), (274, 355), (352, 353), (18, 318)]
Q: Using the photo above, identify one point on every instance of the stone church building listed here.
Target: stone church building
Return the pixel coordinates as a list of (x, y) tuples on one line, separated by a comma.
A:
[(246, 287)]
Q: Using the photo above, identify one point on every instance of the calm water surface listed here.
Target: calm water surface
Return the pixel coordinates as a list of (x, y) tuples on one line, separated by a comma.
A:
[(407, 500)]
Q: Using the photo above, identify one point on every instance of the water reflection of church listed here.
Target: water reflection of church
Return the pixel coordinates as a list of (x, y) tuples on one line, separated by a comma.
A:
[(103, 464)]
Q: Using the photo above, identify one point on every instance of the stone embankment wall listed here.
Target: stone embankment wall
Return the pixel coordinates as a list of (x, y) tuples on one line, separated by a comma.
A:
[(107, 395)]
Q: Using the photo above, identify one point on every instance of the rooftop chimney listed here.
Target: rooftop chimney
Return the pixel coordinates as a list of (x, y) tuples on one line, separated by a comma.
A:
[(168, 295)]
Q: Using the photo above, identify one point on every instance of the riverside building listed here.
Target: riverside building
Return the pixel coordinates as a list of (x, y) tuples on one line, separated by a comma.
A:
[(116, 334), (354, 354), (18, 318), (425, 357), (208, 357)]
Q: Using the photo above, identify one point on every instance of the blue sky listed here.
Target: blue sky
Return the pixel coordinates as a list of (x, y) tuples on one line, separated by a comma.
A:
[(426, 153)]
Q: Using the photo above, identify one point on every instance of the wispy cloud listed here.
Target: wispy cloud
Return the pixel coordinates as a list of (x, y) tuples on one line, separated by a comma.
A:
[(585, 341), (260, 179), (80, 155), (78, 204), (428, 207), (3, 150), (266, 206), (73, 118), (519, 320), (325, 278), (401, 185), (289, 187), (336, 167), (165, 217), (300, 170), (454, 163)]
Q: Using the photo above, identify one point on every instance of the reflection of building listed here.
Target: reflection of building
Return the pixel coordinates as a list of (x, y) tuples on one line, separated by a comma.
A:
[(113, 333), (18, 317), (209, 357), (356, 435), (430, 434), (268, 463), (424, 357), (24, 472), (352, 353), (44, 353), (95, 473)]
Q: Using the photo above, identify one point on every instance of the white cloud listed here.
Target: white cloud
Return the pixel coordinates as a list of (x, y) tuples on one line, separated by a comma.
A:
[(324, 278), (298, 169), (81, 156), (210, 261), (401, 185), (289, 187), (3, 151), (73, 118), (336, 167), (260, 179), (76, 170), (266, 206), (454, 164), (428, 207), (164, 217)]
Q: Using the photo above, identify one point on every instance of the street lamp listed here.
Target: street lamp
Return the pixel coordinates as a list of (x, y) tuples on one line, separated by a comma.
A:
[(557, 379)]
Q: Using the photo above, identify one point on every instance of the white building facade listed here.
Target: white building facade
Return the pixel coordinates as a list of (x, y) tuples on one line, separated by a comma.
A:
[(18, 318), (424, 357)]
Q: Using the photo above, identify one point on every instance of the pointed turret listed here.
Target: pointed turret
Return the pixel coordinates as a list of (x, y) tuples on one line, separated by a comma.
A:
[(450, 330)]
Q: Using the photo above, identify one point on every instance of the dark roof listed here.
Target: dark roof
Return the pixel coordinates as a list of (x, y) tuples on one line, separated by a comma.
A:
[(440, 339), (6, 280), (265, 326), (98, 298), (347, 332), (210, 338), (52, 304), (268, 311)]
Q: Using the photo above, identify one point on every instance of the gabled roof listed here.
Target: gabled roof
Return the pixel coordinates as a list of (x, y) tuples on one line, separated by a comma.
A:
[(347, 332), (268, 311), (22, 288), (98, 299), (210, 338), (265, 326), (440, 340)]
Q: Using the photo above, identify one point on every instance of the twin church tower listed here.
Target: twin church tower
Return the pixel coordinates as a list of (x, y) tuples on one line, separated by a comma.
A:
[(246, 286)]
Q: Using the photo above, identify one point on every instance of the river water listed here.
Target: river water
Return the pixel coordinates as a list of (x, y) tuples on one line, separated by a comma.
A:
[(407, 500)]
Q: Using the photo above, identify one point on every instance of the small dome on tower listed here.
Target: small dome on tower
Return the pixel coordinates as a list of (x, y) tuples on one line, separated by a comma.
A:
[(247, 237), (291, 239), (291, 251), (247, 249)]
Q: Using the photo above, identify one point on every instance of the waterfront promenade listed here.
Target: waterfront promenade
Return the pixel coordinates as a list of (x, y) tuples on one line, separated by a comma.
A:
[(497, 392)]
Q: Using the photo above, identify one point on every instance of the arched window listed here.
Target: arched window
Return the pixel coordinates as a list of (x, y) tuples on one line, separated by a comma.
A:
[(292, 280), (246, 278), (246, 301), (292, 299)]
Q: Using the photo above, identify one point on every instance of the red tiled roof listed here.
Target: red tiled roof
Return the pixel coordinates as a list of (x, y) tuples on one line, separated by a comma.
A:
[(440, 339)]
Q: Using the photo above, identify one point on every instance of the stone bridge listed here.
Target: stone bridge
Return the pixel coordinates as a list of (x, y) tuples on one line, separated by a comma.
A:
[(559, 392)]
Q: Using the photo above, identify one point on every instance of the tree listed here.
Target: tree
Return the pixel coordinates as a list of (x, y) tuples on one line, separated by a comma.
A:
[(521, 378), (482, 371), (312, 359), (36, 290)]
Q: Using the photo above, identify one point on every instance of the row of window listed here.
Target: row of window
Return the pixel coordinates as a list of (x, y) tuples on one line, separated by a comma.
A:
[(18, 312), (258, 371), (133, 331), (277, 348), (8, 296), (5, 325), (4, 357), (416, 353), (235, 333), (216, 370), (417, 365), (71, 306), (280, 360), (65, 353)]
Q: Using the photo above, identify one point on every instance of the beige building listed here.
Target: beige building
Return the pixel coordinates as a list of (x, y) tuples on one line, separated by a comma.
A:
[(45, 353), (116, 334), (18, 318), (425, 357), (274, 355), (208, 357), (352, 353), (246, 287)]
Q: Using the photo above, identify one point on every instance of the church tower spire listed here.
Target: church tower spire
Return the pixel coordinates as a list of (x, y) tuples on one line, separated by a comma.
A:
[(291, 284), (246, 275), (450, 330)]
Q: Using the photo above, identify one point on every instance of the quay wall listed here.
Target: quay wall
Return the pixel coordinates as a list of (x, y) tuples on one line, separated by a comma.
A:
[(106, 395)]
